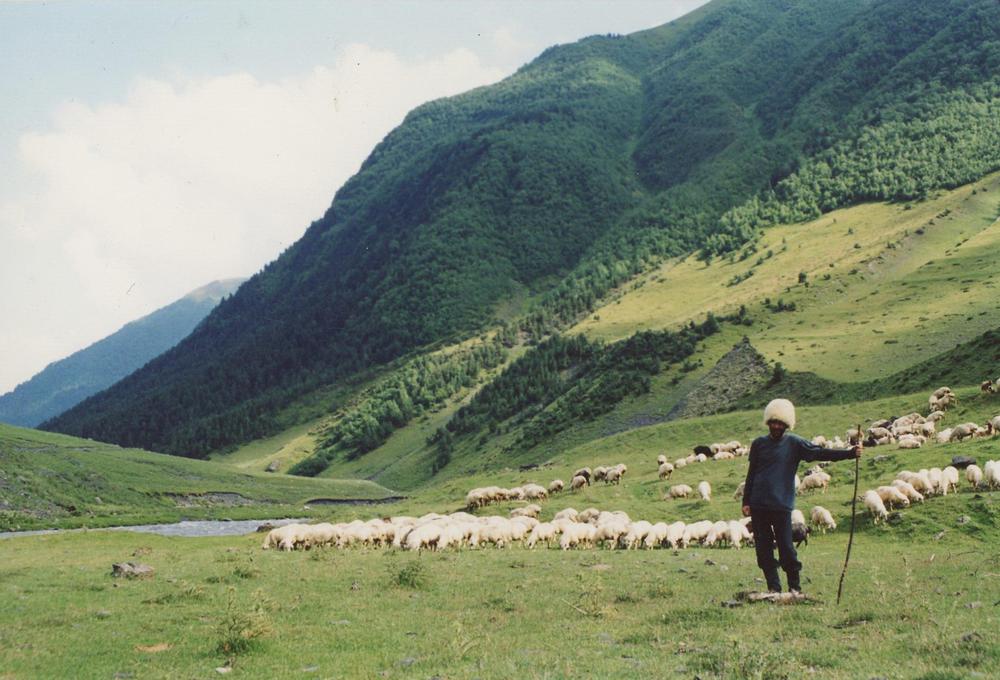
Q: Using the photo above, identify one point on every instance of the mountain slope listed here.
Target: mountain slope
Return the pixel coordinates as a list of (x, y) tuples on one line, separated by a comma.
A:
[(573, 175), (65, 383)]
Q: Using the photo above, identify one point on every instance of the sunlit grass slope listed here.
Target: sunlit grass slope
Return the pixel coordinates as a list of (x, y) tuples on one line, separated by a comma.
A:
[(49, 480), (888, 286)]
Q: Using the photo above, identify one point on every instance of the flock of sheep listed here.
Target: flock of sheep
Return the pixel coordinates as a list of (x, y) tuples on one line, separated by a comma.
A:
[(592, 527), (914, 487)]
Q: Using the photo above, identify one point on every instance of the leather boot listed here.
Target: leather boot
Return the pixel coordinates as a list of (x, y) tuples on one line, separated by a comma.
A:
[(773, 581), (794, 585)]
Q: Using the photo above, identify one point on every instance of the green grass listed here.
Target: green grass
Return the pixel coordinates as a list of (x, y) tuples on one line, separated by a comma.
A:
[(286, 448), (909, 601), (925, 292), (53, 480)]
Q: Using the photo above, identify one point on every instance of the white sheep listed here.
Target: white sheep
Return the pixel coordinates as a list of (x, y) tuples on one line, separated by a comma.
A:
[(656, 535), (661, 459), (577, 534), (891, 495), (739, 489), (875, 506), (665, 470), (705, 490), (675, 535), (679, 491), (798, 517), (555, 486), (636, 533), (950, 477), (815, 480), (696, 532), (974, 475), (908, 490), (577, 483), (567, 514), (822, 519), (991, 474)]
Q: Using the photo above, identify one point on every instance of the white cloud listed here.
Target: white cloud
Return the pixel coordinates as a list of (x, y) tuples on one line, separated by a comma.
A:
[(122, 207)]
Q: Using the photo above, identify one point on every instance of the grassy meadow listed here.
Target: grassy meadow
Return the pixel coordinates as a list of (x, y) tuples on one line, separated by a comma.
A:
[(53, 480), (920, 597)]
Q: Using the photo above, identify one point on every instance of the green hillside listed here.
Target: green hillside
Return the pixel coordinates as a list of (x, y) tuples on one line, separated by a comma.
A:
[(363, 611), (888, 317), (52, 480), (580, 171)]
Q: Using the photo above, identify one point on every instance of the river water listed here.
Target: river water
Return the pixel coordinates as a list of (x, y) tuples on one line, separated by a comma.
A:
[(191, 528)]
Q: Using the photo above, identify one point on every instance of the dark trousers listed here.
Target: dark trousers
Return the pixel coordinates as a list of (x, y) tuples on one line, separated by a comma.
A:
[(770, 528)]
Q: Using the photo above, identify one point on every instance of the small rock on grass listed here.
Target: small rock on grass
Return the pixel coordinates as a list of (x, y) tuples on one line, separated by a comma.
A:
[(964, 519), (132, 570)]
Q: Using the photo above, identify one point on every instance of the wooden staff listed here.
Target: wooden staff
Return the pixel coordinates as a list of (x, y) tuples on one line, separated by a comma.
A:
[(854, 503)]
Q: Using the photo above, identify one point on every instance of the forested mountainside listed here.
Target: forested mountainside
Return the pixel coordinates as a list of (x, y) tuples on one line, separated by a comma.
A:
[(65, 383), (569, 177)]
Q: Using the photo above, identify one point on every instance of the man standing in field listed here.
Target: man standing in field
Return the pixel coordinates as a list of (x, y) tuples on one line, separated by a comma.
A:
[(769, 491)]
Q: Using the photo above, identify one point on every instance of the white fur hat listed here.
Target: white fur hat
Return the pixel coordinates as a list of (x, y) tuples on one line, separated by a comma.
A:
[(780, 409)]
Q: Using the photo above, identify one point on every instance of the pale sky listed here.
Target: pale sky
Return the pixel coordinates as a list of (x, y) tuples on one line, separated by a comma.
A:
[(148, 148)]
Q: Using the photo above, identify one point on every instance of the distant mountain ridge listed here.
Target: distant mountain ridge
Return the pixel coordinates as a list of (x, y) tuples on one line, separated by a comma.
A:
[(66, 382), (563, 181)]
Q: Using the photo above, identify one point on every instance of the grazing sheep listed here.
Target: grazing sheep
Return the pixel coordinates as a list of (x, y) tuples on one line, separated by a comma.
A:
[(612, 531), (800, 533), (675, 535), (636, 533), (590, 515), (600, 472), (944, 436), (875, 506), (815, 480), (909, 441), (615, 474), (938, 483), (891, 495), (577, 483), (950, 477), (656, 536), (705, 490), (577, 534), (696, 533), (661, 459), (555, 486), (666, 469), (718, 535), (680, 462), (798, 517), (739, 489), (531, 510), (908, 490), (935, 416), (993, 426), (284, 537), (822, 519), (535, 492), (991, 474), (566, 514), (974, 475), (964, 431), (679, 491), (584, 472)]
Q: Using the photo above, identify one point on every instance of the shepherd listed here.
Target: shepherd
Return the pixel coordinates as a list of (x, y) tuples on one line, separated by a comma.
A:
[(769, 491)]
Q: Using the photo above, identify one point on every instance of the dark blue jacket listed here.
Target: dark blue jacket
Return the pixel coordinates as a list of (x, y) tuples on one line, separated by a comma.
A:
[(770, 483)]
